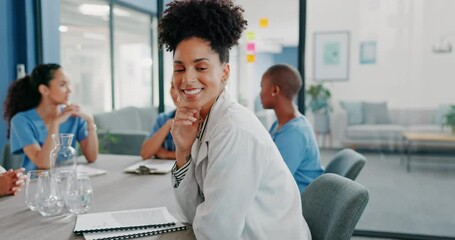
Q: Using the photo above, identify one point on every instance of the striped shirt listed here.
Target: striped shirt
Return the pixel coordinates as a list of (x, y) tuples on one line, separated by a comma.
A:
[(179, 174)]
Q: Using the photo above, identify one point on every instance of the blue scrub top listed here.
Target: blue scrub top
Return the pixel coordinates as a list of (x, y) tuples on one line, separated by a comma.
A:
[(162, 118), (28, 128), (299, 149)]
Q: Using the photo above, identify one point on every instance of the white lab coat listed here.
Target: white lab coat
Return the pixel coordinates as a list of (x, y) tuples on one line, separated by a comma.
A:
[(237, 185)]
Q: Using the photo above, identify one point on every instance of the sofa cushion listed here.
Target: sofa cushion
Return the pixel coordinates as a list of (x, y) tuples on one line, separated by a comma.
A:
[(375, 113), (123, 131), (375, 131), (354, 111), (148, 117), (123, 119), (412, 116), (128, 118)]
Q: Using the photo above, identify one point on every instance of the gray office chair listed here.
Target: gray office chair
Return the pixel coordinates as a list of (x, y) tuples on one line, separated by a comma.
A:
[(332, 206), (346, 163), (10, 161)]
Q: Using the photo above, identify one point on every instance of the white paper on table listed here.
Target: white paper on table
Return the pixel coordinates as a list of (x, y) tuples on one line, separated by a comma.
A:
[(84, 168), (146, 217)]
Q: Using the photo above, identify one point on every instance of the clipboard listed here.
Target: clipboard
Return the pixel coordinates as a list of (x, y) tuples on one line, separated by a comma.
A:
[(151, 166)]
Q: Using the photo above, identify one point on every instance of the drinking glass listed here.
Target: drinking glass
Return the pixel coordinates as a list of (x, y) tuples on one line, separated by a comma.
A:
[(79, 193), (49, 201), (61, 178), (31, 187)]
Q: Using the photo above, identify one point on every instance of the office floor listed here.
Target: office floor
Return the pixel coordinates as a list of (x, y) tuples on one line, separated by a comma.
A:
[(416, 202)]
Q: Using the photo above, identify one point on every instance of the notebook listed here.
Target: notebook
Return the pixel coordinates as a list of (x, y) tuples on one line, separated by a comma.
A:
[(126, 224), (151, 166), (128, 234)]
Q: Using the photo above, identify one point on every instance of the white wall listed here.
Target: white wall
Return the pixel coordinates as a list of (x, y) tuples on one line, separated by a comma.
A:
[(407, 74)]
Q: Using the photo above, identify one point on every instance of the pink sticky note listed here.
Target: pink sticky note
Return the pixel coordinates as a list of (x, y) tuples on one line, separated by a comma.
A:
[(251, 47)]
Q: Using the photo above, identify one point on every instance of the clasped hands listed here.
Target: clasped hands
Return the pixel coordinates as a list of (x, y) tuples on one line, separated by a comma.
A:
[(11, 181), (73, 110)]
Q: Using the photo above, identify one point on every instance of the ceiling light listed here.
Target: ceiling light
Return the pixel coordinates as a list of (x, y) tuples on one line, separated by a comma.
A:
[(101, 10), (63, 28), (94, 9), (121, 13)]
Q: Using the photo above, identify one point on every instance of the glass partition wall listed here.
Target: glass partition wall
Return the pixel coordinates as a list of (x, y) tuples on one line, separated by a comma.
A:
[(85, 52), (133, 58), (108, 59), (388, 65), (391, 106)]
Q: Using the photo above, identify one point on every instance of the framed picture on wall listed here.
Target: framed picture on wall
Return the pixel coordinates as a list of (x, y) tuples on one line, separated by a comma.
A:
[(367, 53), (331, 56)]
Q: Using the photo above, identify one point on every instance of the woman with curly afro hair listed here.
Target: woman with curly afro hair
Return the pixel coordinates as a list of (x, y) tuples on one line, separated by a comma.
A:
[(229, 179)]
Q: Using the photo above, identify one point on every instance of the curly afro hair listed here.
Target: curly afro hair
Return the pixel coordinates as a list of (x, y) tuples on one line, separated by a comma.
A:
[(219, 22)]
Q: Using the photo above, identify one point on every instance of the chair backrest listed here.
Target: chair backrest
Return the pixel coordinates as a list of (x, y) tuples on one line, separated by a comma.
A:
[(10, 161), (346, 163), (128, 118), (332, 206)]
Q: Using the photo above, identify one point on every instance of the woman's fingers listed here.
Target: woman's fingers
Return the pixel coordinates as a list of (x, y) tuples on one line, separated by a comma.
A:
[(185, 116), (73, 108)]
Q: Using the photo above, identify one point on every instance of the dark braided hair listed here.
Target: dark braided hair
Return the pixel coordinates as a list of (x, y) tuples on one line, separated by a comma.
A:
[(219, 22), (23, 94)]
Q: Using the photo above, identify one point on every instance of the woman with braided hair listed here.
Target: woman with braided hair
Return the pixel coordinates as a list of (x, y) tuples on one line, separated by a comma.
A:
[(229, 178)]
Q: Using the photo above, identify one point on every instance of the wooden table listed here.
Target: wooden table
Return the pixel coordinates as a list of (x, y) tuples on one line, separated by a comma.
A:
[(414, 137), (111, 192)]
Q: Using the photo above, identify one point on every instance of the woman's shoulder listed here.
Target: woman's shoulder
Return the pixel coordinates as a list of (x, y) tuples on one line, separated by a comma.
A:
[(297, 127), (166, 115), (240, 121), (299, 122), (171, 114), (27, 115)]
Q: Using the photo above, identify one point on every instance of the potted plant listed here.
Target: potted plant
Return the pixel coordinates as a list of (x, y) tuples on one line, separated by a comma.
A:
[(450, 118), (319, 104)]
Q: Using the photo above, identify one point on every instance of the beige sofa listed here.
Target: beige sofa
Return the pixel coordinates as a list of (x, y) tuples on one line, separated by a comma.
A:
[(387, 135)]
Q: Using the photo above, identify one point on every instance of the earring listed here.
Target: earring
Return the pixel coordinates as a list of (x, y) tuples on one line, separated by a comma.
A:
[(273, 94)]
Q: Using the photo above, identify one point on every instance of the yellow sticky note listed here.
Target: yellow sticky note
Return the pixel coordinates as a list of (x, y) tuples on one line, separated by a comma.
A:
[(250, 58), (264, 22)]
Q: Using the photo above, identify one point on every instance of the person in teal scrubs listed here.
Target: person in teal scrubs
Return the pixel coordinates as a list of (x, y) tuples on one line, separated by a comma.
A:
[(37, 106), (291, 132)]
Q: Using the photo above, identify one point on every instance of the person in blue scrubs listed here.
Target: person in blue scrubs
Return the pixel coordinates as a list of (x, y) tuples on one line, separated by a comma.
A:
[(291, 132), (37, 107), (159, 142)]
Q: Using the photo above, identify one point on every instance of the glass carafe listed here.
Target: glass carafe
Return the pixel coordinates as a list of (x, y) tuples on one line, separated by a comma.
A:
[(63, 154)]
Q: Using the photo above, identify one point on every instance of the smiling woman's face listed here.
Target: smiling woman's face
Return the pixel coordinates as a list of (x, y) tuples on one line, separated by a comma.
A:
[(199, 76)]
